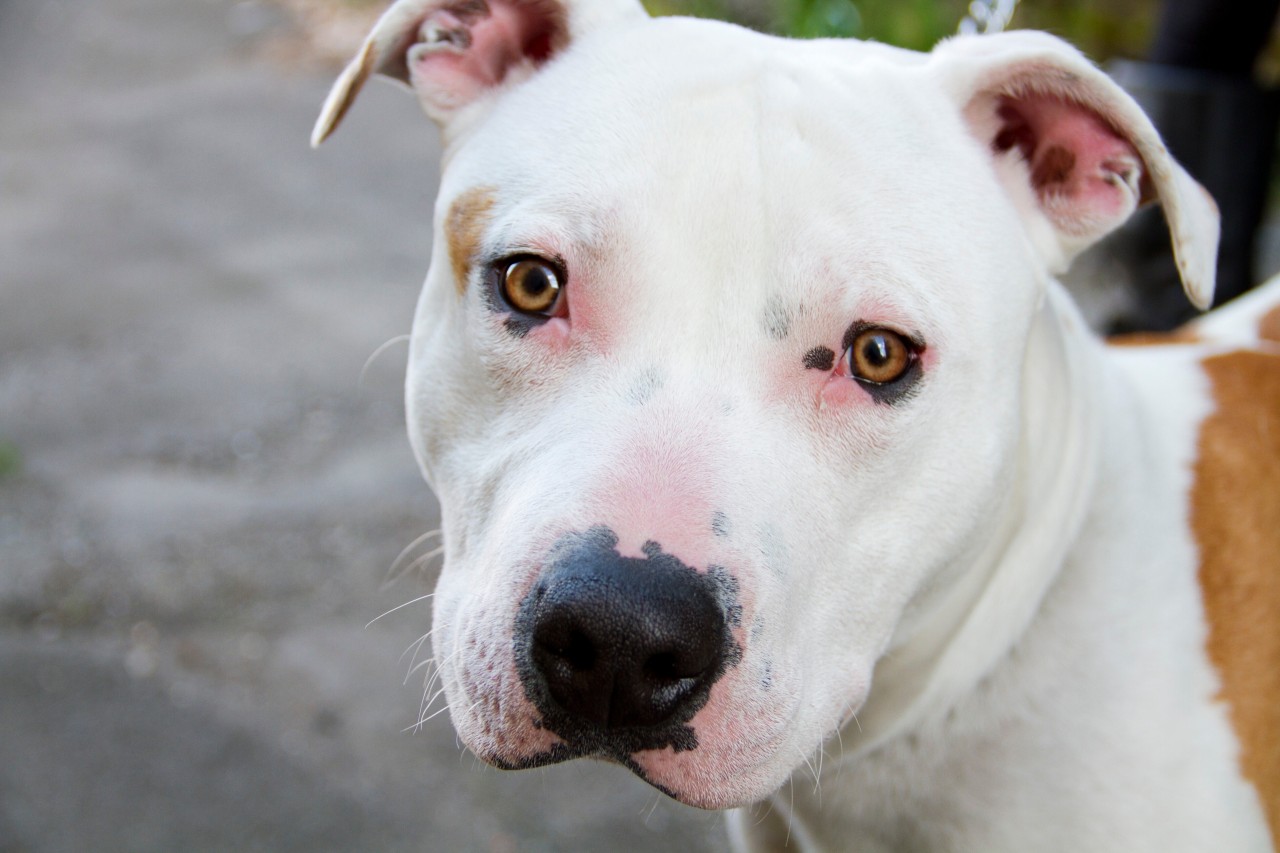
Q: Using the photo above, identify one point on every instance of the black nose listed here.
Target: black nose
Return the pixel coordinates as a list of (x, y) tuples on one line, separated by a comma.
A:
[(616, 643)]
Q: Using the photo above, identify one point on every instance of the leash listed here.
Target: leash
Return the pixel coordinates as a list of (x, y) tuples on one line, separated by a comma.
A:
[(987, 16)]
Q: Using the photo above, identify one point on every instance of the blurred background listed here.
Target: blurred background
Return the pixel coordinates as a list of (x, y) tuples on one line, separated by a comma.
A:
[(206, 493)]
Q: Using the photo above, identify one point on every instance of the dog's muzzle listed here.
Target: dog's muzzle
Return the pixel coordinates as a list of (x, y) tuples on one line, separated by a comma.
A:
[(619, 653)]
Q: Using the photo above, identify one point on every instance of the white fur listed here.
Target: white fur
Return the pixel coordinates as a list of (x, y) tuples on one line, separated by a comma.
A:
[(978, 605)]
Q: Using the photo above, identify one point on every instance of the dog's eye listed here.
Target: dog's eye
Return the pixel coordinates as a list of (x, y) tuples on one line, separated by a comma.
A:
[(879, 356), (531, 286)]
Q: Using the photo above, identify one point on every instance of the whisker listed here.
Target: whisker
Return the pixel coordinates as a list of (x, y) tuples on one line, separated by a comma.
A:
[(414, 666), (434, 696), (398, 339), (432, 677), (791, 812), (399, 606), (423, 560), (429, 683), (652, 808), (416, 645), (391, 570), (812, 770), (765, 812), (446, 707), (426, 662), (425, 707), (840, 739)]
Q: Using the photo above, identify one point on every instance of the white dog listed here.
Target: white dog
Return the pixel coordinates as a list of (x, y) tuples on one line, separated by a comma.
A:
[(763, 435)]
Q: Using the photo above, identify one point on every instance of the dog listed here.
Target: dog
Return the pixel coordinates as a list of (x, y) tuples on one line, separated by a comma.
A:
[(775, 465)]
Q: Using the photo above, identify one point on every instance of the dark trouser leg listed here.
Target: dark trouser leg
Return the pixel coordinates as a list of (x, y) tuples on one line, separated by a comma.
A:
[(1220, 126)]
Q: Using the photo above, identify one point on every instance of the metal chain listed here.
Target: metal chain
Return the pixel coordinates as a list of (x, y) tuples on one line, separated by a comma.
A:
[(987, 16)]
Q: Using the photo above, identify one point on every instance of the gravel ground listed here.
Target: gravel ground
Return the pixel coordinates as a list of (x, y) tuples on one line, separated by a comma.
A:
[(200, 498)]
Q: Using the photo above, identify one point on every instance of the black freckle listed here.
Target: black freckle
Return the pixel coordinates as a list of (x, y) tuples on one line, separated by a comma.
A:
[(777, 319), (719, 524), (820, 358), (645, 385)]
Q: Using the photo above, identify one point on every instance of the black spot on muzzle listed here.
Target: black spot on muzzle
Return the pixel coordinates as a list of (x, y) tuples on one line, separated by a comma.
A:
[(619, 653)]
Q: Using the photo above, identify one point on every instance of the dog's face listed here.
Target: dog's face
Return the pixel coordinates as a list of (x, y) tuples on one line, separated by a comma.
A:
[(717, 372), (735, 240)]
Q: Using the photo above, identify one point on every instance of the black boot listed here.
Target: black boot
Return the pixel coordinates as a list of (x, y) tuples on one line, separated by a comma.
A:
[(1222, 129)]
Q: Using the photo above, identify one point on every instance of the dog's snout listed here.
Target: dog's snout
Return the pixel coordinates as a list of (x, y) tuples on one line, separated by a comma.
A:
[(622, 645), (615, 645)]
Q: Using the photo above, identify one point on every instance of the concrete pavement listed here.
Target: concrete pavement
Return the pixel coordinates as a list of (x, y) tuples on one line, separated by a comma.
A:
[(199, 498)]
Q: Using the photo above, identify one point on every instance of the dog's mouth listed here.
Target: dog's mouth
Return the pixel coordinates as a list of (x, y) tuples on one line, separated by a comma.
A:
[(638, 660)]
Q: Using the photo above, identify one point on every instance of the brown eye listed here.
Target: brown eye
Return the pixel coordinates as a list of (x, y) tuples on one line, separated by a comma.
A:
[(879, 356), (531, 286)]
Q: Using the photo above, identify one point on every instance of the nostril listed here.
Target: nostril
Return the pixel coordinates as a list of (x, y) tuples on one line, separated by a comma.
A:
[(662, 667), (675, 665), (574, 648)]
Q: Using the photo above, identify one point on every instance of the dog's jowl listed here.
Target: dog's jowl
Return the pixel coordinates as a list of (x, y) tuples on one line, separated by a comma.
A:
[(763, 434)]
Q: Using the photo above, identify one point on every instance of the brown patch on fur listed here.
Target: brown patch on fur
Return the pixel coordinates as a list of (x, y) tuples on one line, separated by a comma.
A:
[(1269, 325), (1235, 508), (1054, 167), (1154, 339), (464, 229)]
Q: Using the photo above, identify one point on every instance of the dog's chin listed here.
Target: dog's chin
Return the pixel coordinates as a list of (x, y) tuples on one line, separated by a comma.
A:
[(682, 777), (709, 784)]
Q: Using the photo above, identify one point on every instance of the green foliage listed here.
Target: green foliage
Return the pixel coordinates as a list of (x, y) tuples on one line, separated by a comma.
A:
[(10, 459), (1101, 28), (820, 18)]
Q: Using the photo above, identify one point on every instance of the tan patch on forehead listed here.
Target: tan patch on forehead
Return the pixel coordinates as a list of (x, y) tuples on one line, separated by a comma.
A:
[(464, 229), (1235, 508), (1269, 325)]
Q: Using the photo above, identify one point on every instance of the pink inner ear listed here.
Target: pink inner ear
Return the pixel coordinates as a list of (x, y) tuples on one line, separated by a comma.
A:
[(1086, 175), (467, 47)]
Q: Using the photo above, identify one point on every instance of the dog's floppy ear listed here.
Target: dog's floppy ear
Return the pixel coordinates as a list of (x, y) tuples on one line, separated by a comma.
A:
[(452, 52), (1074, 151)]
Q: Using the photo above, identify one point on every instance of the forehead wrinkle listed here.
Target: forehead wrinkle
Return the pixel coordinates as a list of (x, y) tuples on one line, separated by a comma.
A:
[(553, 221)]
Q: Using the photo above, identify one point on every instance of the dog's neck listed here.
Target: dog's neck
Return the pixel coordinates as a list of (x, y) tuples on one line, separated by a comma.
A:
[(958, 630)]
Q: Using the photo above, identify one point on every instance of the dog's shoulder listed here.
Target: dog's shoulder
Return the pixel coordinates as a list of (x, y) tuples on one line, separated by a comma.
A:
[(1235, 515), (1235, 509)]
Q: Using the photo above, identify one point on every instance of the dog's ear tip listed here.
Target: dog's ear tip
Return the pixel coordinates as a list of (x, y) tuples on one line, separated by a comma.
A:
[(1199, 287), (326, 124), (319, 133), (343, 92)]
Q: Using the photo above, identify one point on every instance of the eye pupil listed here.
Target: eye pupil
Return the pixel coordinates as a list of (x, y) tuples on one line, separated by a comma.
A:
[(535, 282), (531, 286), (880, 357), (876, 350)]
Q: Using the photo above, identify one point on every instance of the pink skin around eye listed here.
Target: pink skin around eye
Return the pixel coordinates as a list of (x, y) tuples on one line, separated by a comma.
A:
[(553, 334), (840, 389), (580, 316)]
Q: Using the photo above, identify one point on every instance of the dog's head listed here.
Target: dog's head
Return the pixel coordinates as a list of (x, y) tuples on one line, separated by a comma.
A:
[(720, 371)]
